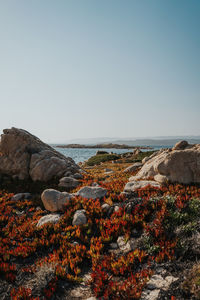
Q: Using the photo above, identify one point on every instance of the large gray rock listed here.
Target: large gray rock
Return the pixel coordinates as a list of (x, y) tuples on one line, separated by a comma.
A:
[(54, 200), (135, 185), (180, 164), (24, 156), (92, 192), (68, 182), (52, 218)]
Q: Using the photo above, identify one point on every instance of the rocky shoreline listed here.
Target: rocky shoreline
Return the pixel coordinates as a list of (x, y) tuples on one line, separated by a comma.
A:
[(128, 228), (102, 146)]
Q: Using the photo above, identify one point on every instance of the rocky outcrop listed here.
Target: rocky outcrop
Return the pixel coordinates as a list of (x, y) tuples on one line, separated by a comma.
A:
[(180, 164), (24, 156)]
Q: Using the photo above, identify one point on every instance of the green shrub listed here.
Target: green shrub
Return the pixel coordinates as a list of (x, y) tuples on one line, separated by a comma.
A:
[(97, 159)]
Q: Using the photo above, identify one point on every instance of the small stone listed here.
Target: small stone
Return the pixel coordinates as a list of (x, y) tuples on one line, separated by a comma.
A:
[(114, 246), (68, 182), (116, 208), (158, 282), (75, 243), (132, 186), (123, 244), (90, 192), (95, 184), (105, 207), (54, 200), (108, 170), (133, 167), (79, 218), (150, 295), (78, 176), (161, 179), (21, 196), (52, 218)]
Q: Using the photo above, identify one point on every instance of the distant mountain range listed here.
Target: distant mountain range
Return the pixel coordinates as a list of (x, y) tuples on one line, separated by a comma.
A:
[(168, 141)]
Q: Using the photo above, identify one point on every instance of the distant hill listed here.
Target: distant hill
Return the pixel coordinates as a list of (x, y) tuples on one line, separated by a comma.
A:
[(100, 146), (158, 142), (168, 141)]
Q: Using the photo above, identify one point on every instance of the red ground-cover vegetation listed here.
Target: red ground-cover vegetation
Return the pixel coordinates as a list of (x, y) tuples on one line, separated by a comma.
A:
[(71, 250)]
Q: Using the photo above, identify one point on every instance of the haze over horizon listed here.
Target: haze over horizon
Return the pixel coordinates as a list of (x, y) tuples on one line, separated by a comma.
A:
[(83, 69)]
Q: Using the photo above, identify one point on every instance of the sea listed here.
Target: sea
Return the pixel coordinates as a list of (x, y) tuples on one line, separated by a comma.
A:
[(83, 154)]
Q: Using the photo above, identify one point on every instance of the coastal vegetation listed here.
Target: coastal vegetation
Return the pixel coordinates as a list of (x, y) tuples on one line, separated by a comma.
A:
[(113, 230), (128, 157), (160, 224), (102, 146), (99, 158)]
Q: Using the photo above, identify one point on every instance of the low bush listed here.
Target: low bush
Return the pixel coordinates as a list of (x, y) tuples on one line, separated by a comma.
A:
[(97, 159)]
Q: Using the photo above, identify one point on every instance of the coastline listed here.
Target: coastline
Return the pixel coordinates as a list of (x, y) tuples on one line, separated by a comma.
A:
[(102, 146)]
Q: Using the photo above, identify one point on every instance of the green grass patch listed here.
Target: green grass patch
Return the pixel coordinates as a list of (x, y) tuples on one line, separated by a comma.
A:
[(142, 155), (97, 159)]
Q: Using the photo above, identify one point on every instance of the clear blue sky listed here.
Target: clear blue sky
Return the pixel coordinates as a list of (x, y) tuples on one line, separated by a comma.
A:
[(94, 68)]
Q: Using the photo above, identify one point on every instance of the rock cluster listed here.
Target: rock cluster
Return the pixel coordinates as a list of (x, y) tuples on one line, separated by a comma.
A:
[(181, 164), (54, 200), (24, 156)]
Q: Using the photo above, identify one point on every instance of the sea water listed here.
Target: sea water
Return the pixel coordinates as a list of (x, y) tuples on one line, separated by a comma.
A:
[(82, 154)]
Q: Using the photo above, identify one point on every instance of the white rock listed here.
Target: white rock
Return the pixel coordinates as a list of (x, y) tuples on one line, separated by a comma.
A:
[(90, 192), (51, 218), (132, 186), (123, 245), (105, 207), (150, 295), (155, 285), (116, 208), (158, 282)]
